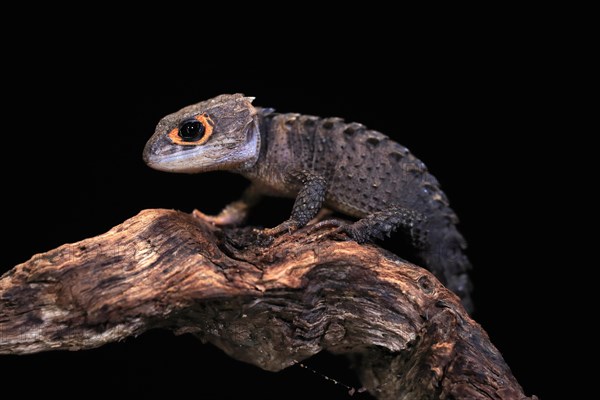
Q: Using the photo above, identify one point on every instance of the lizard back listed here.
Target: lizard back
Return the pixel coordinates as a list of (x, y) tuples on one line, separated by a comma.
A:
[(366, 172)]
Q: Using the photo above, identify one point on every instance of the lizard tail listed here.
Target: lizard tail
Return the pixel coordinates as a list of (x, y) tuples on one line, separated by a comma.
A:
[(444, 256), (438, 244)]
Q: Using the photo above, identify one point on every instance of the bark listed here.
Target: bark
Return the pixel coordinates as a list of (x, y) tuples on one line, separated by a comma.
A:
[(268, 304)]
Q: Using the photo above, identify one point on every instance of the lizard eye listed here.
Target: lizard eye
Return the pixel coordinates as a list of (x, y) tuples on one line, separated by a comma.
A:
[(193, 131)]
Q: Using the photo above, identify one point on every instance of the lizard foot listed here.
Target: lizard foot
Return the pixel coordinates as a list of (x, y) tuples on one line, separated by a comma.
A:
[(288, 226), (227, 217), (327, 224), (352, 232)]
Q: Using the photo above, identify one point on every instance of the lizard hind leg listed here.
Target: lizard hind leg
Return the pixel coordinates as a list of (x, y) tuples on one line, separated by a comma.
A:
[(382, 223)]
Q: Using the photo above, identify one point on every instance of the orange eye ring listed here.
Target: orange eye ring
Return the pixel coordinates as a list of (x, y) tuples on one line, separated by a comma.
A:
[(208, 131)]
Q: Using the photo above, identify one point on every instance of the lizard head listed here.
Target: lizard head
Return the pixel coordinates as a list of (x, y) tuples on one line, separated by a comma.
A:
[(218, 134)]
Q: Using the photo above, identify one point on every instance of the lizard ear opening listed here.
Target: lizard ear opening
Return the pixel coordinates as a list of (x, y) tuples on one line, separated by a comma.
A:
[(193, 132)]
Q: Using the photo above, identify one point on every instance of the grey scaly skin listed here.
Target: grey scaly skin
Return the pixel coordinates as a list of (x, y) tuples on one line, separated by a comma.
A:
[(319, 162)]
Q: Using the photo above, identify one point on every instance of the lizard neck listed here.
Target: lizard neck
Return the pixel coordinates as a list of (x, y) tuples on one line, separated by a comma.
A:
[(252, 168), (269, 172), (257, 143)]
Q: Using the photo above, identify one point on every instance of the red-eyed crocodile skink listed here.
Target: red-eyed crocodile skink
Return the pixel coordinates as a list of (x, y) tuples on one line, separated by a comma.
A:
[(321, 162)]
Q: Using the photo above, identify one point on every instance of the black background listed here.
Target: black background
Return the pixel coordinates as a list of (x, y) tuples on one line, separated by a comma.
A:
[(72, 169)]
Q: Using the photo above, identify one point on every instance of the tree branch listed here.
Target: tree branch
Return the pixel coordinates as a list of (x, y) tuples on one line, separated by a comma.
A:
[(271, 306)]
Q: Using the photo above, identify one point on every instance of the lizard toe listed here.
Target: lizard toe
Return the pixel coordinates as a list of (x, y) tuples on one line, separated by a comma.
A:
[(288, 226), (350, 231)]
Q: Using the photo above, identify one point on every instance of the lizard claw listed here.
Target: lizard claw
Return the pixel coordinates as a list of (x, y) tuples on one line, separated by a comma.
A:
[(266, 236)]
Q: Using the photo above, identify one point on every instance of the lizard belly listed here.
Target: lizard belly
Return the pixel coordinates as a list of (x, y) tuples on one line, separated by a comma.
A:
[(345, 207), (278, 190)]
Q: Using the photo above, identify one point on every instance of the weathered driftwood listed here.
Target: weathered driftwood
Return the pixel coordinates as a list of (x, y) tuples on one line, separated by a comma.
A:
[(270, 306)]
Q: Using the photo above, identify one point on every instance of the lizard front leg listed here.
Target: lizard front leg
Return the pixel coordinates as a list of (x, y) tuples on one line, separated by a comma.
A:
[(234, 213), (308, 202)]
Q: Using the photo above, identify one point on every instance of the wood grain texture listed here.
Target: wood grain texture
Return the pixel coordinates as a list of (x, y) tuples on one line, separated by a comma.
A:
[(271, 306)]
